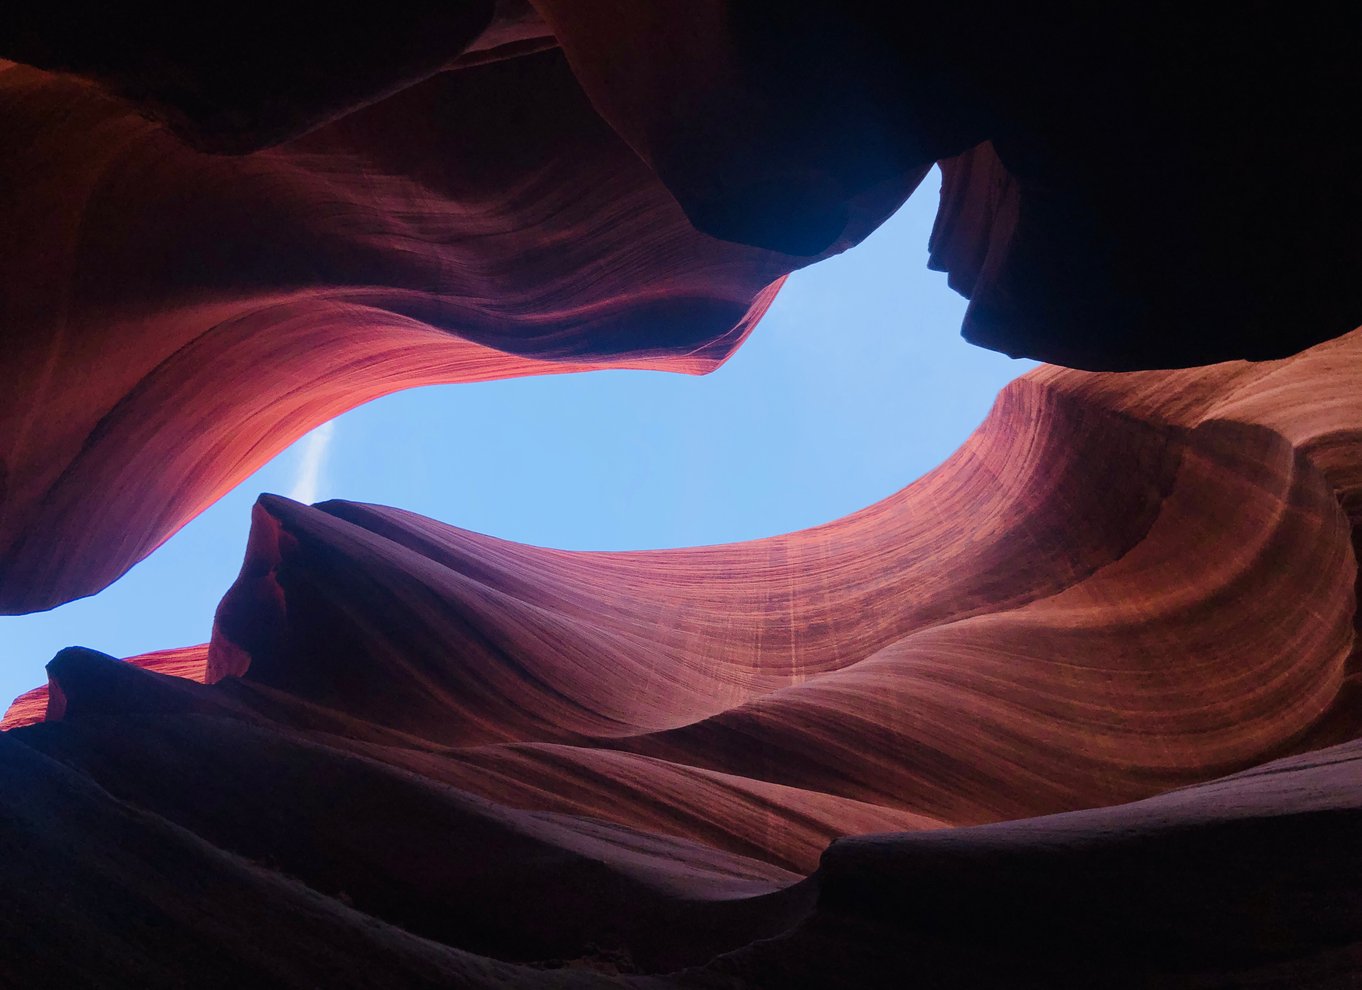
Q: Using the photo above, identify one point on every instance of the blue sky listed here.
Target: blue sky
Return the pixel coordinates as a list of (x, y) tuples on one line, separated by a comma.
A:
[(855, 383)]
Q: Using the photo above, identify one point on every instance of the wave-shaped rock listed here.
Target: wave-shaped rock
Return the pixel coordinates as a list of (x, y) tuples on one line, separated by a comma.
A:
[(1074, 709), (177, 318), (236, 228)]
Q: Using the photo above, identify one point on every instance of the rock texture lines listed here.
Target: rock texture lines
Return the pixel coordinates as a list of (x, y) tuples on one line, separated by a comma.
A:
[(1080, 707), (1123, 588)]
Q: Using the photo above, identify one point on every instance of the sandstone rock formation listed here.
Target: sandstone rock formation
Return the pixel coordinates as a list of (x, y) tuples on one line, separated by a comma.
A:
[(177, 318), (907, 741), (41, 703), (1079, 708), (228, 230)]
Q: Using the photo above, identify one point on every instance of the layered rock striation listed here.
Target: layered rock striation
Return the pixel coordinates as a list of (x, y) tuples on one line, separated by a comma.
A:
[(1077, 708), (226, 231)]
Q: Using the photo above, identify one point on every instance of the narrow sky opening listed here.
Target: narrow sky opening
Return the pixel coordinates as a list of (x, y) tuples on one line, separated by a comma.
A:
[(854, 384)]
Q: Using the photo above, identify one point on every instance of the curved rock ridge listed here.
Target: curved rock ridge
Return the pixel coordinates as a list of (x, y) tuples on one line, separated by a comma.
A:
[(180, 316), (955, 669), (236, 229), (1123, 588), (655, 639), (41, 703)]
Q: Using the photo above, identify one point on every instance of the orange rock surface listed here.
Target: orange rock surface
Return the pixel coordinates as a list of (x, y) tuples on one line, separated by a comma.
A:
[(223, 234), (1079, 708), (175, 318)]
